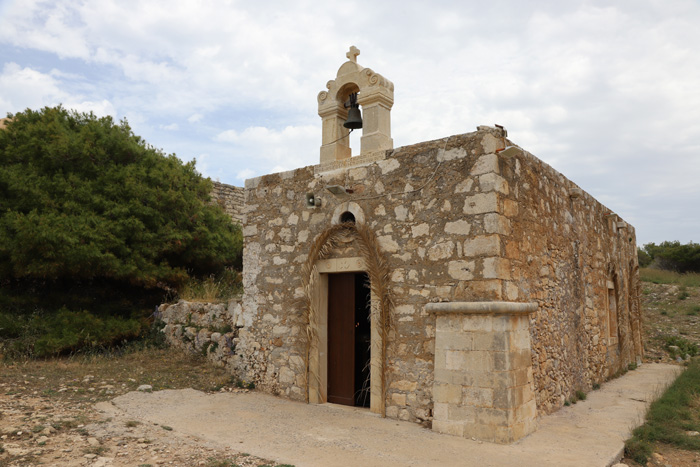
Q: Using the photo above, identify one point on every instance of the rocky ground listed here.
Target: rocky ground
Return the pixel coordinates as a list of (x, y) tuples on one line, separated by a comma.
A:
[(50, 413), (50, 410)]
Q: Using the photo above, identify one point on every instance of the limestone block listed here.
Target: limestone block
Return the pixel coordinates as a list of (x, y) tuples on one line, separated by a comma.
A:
[(441, 251), (483, 245), (497, 224), (359, 173), (401, 213), (457, 360), (491, 143), (488, 416), (460, 227), (489, 341), (420, 230), (493, 182), (450, 340), (478, 397), (476, 323), (399, 399), (488, 290), (280, 330), (512, 291), (461, 413), (440, 410), (461, 269), (250, 230), (486, 164), (449, 322), (449, 427), (405, 309), (317, 218), (388, 244), (451, 154), (496, 268), (447, 393), (452, 377), (465, 186), (510, 208), (388, 165), (286, 375), (403, 385), (481, 203)]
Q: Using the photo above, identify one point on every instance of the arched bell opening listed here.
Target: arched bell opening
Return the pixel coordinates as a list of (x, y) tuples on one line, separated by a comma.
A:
[(349, 96), (373, 97)]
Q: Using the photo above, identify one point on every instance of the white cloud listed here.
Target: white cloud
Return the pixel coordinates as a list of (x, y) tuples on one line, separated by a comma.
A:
[(169, 127), (101, 109), (23, 87), (244, 174), (605, 92), (287, 149)]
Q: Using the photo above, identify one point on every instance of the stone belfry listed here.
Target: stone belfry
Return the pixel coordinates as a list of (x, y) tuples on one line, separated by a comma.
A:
[(375, 94)]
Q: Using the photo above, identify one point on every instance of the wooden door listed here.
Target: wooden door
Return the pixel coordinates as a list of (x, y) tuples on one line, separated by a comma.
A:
[(341, 338)]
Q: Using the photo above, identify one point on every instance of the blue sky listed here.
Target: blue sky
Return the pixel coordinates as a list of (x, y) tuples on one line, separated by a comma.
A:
[(608, 93)]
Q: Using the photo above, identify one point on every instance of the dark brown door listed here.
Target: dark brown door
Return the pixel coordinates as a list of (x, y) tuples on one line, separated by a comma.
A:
[(341, 338)]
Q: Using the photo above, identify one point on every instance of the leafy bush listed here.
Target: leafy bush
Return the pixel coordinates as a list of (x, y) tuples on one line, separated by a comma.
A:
[(683, 344), (93, 218), (672, 256), (643, 258), (48, 334), (84, 198)]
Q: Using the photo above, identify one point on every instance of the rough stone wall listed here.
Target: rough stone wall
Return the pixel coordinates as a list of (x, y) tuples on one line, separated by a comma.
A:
[(429, 206), (207, 328), (458, 220), (230, 198), (563, 248)]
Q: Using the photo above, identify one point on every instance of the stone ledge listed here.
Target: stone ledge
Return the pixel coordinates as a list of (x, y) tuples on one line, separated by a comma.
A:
[(481, 307)]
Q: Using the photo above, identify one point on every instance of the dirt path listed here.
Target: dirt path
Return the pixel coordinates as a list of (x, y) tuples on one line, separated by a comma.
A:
[(590, 433)]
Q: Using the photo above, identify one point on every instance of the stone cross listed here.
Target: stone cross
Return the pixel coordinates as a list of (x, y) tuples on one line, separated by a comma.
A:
[(353, 53)]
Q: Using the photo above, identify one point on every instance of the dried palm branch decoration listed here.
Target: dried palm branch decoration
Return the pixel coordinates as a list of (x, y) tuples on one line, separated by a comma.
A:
[(379, 275)]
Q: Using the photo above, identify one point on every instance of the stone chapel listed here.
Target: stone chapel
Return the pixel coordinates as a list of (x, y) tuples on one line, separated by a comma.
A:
[(460, 283)]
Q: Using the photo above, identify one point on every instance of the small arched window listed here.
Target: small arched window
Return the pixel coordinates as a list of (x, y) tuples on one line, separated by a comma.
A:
[(347, 216)]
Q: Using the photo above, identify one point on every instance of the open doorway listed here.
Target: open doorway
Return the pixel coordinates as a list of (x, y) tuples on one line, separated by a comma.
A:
[(349, 339)]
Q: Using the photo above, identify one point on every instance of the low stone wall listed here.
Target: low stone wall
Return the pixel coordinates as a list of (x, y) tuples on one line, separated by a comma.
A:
[(206, 328), (230, 198)]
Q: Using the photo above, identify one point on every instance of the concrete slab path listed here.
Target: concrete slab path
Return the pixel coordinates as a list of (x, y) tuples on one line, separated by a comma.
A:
[(589, 433)]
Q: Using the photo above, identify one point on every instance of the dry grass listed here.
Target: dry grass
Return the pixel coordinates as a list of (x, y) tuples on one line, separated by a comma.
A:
[(212, 289), (660, 276), (94, 378)]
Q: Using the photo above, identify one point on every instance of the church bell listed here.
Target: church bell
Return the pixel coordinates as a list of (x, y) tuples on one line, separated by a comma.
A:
[(354, 120)]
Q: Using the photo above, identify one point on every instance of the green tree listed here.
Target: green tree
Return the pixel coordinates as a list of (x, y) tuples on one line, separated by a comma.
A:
[(643, 257), (675, 256), (84, 202)]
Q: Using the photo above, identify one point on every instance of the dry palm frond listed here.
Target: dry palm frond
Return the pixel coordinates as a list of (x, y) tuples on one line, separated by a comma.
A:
[(379, 276)]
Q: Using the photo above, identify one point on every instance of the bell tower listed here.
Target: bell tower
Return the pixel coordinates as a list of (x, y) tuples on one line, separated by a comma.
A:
[(375, 96)]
